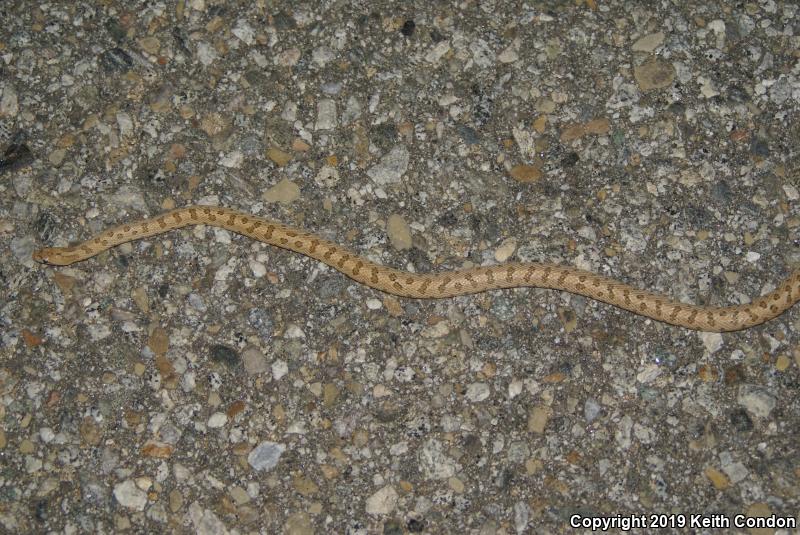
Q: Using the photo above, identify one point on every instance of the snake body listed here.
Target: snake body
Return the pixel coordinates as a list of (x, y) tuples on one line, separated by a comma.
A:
[(444, 284)]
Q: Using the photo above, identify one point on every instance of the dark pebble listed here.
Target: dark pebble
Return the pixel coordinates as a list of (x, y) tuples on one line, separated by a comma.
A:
[(45, 225), (741, 421), (260, 320), (116, 59), (392, 527), (16, 155), (570, 159), (225, 355), (468, 134), (408, 28), (759, 147), (721, 192)]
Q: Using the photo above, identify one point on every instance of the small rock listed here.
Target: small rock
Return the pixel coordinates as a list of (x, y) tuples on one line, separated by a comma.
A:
[(305, 486), (129, 495), (478, 392), (217, 420), (254, 361), (382, 502), (711, 341), (434, 462), (509, 55), (757, 400), (244, 32), (279, 369), (232, 160), (537, 419), (266, 455), (505, 250), (654, 74), (648, 43), (151, 45), (299, 524), (791, 192), (158, 342), (736, 471), (288, 57), (205, 522), (9, 102), (399, 232), (717, 478), (525, 173), (326, 115), (591, 410), (224, 355), (239, 495), (278, 157), (213, 124), (284, 192), (322, 55), (391, 167), (175, 501)]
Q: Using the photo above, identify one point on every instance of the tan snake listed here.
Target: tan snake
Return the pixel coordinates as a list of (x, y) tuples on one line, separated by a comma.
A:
[(445, 284)]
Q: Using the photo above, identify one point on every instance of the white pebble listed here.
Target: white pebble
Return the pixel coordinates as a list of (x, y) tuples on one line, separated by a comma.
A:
[(753, 256), (383, 501), (712, 341), (128, 495), (478, 392), (506, 249), (294, 331), (217, 420), (374, 304), (279, 369), (46, 434), (266, 455), (258, 269)]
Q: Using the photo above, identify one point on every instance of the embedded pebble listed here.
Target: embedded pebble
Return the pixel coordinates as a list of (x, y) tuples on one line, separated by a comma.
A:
[(279, 157), (9, 101), (383, 501), (391, 167), (283, 192), (712, 341), (205, 521), (591, 410), (648, 43), (374, 304), (217, 420), (279, 369), (434, 462), (654, 74), (399, 232), (266, 455), (756, 400), (326, 115), (254, 361), (505, 250), (538, 418), (478, 392), (129, 495)]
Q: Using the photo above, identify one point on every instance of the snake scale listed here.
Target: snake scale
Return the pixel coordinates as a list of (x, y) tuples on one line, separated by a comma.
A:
[(444, 284)]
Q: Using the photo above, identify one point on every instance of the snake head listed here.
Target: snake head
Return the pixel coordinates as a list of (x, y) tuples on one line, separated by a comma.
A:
[(52, 256)]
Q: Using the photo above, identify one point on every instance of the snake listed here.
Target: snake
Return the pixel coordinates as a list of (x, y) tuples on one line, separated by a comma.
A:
[(447, 283)]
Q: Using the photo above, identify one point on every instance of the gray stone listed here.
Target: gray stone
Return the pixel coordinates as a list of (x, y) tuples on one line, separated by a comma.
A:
[(266, 455), (391, 167)]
